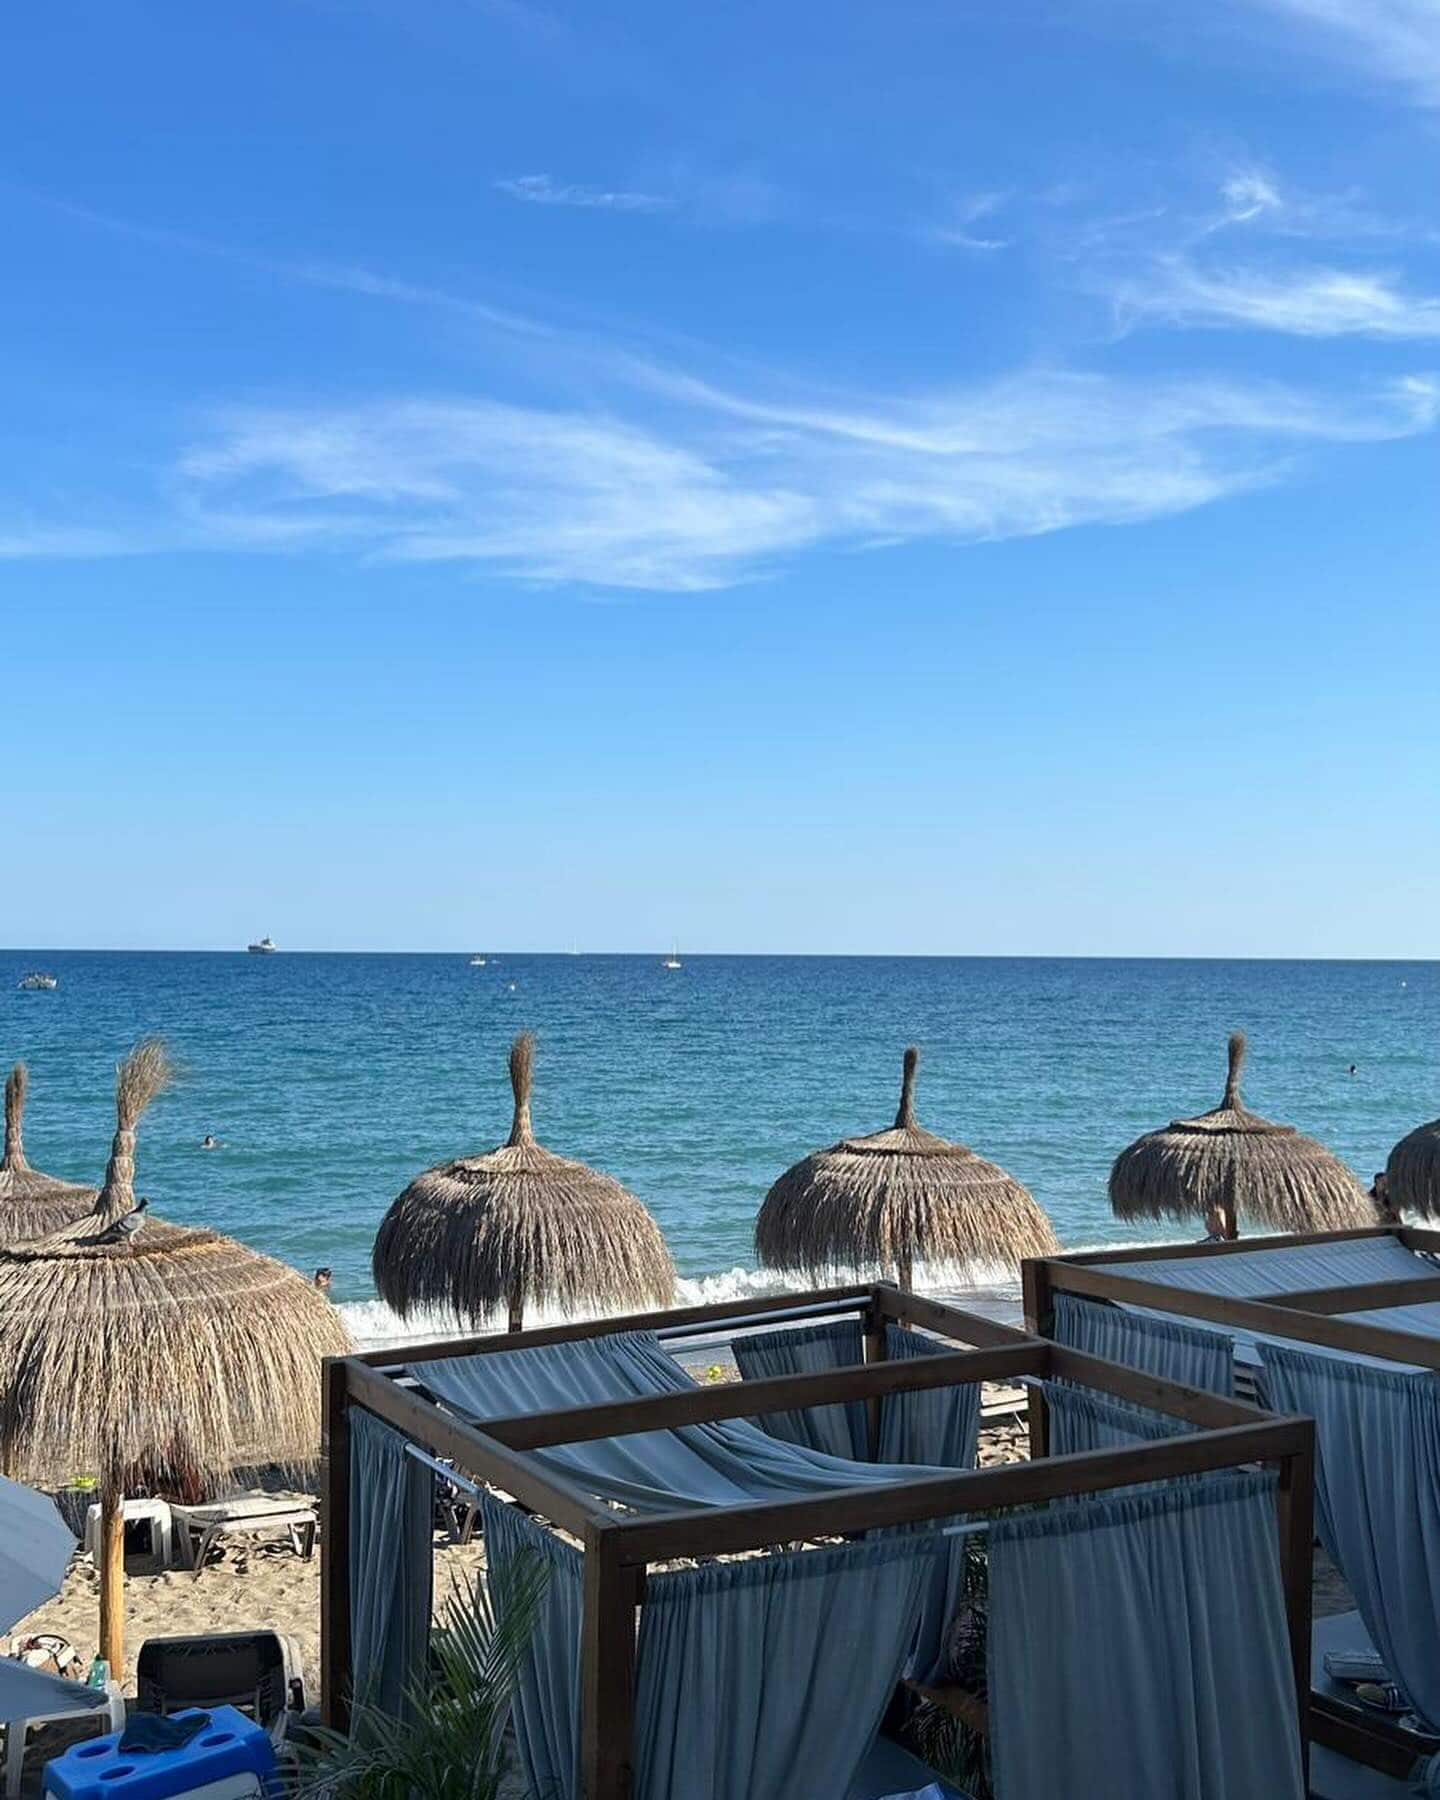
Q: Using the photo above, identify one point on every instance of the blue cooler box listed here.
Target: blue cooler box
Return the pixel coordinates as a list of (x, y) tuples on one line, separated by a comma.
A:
[(232, 1759)]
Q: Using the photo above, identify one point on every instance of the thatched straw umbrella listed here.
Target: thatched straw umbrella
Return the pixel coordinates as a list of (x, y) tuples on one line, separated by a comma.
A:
[(1238, 1165), (1412, 1172), (519, 1226), (894, 1197), (130, 1347), (29, 1201)]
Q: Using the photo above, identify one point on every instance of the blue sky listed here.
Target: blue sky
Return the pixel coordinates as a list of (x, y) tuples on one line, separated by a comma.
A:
[(930, 477)]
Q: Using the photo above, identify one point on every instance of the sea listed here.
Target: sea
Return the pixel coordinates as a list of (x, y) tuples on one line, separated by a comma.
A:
[(332, 1079)]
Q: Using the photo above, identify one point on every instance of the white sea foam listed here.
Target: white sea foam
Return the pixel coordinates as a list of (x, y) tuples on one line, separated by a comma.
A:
[(374, 1326)]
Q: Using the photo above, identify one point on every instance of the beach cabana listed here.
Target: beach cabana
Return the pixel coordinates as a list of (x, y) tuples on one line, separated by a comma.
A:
[(518, 1227), (137, 1351), (1345, 1327), (680, 1653), (1231, 1161), (1412, 1172), (895, 1198), (31, 1202)]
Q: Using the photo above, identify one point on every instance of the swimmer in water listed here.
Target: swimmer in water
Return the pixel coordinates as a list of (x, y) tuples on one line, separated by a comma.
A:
[(209, 1143)]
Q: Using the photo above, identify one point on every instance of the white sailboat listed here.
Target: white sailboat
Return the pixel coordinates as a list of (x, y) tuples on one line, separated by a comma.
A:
[(672, 961)]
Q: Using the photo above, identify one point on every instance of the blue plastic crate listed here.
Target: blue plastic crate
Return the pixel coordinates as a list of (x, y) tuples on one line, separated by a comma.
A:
[(231, 1746)]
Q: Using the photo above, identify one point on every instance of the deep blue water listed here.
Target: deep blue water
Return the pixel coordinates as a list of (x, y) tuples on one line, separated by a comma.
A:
[(332, 1079)]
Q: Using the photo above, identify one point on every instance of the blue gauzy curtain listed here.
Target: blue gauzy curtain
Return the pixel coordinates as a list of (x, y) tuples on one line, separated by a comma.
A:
[(837, 1430), (1118, 1660), (767, 1679), (547, 1694), (718, 1464), (1082, 1419), (1377, 1500), (1184, 1353), (938, 1426), (392, 1515)]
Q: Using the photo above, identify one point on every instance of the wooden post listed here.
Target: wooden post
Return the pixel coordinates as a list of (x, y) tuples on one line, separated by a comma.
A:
[(607, 1667), (517, 1309), (1039, 1319), (1295, 1505), (905, 1272), (336, 1673), (112, 1577), (876, 1350)]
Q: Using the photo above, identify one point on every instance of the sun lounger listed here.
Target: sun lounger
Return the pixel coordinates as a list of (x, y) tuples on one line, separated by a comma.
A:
[(260, 1673), (199, 1528), (30, 1697)]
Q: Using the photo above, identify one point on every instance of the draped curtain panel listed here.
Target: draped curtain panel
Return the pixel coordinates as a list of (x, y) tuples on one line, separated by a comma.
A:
[(764, 1679), (938, 1426), (837, 1430), (1082, 1419), (1184, 1353), (1118, 1661), (767, 1679), (547, 1694), (392, 1513), (1377, 1500), (723, 1463)]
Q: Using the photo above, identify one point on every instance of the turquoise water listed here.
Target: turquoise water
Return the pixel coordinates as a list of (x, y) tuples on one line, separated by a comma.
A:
[(331, 1080)]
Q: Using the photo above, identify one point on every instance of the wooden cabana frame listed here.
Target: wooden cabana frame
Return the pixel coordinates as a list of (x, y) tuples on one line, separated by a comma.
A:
[(1304, 1315), (618, 1551)]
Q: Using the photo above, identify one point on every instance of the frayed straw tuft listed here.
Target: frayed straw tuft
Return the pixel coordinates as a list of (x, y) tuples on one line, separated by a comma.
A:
[(522, 1078), (16, 1084), (31, 1203)]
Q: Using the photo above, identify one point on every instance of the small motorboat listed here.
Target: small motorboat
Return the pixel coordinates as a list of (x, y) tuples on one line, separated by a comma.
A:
[(477, 962), (265, 947), (39, 983)]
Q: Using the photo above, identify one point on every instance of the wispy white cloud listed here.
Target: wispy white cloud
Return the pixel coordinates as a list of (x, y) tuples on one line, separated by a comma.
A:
[(1398, 40), (717, 487), (541, 190), (1307, 302), (955, 230)]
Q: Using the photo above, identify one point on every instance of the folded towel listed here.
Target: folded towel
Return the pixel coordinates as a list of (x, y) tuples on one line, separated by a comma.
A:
[(147, 1732)]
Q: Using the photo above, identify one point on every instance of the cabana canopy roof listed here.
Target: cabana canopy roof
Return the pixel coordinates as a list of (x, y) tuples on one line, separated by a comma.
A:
[(897, 1197), (519, 1226), (1263, 1173), (129, 1344), (31, 1202), (1412, 1172)]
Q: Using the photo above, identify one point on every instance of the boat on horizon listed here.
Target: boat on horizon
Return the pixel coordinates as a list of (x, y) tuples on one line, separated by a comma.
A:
[(477, 962), (672, 961), (38, 982), (265, 947)]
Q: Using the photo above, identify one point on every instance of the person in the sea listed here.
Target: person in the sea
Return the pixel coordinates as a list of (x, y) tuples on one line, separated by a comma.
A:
[(1217, 1226), (209, 1143), (323, 1279), (1386, 1212)]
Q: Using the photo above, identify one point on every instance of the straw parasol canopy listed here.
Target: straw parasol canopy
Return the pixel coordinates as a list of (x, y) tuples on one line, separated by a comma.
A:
[(31, 1202), (1412, 1172), (1232, 1161), (131, 1348), (519, 1226), (895, 1197)]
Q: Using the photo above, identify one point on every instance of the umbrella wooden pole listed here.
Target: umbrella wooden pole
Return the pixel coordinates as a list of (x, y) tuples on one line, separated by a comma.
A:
[(517, 1310), (112, 1578), (904, 1271)]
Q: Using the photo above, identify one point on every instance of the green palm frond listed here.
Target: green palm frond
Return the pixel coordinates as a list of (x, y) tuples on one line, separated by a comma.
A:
[(450, 1742)]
